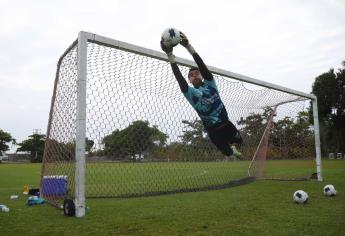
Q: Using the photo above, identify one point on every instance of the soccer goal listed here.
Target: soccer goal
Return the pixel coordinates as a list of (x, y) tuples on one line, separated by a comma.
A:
[(120, 127)]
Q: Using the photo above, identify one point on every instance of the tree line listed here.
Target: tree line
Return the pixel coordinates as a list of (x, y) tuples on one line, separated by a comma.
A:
[(289, 137), (140, 140), (329, 88)]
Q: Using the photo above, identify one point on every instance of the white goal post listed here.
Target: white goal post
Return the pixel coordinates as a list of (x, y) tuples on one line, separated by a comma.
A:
[(78, 142)]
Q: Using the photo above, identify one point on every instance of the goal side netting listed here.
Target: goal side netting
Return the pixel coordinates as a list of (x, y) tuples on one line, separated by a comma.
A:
[(137, 135)]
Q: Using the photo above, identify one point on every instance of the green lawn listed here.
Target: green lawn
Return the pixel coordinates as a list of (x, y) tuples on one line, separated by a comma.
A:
[(259, 208), (140, 178)]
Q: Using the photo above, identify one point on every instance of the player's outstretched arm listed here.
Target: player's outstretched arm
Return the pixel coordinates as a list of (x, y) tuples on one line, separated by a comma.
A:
[(171, 57), (202, 67)]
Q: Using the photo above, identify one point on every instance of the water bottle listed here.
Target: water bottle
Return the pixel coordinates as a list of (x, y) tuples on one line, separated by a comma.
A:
[(14, 197), (4, 208)]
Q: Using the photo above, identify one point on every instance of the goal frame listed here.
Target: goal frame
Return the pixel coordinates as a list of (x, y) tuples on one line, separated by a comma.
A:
[(80, 149)]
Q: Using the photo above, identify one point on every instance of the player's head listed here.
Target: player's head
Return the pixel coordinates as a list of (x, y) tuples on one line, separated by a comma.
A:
[(195, 76)]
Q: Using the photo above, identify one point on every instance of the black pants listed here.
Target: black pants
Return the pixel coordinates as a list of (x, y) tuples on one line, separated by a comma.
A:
[(223, 135)]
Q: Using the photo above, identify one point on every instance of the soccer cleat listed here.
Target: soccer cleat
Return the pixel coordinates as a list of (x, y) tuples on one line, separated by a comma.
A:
[(236, 154)]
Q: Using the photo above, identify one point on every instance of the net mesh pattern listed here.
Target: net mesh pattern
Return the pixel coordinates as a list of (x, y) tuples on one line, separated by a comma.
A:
[(143, 137)]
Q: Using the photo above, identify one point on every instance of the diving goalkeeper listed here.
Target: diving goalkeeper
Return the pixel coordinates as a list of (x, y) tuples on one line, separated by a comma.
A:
[(205, 99)]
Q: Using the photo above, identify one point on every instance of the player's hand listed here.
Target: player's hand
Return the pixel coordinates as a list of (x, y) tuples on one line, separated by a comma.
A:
[(166, 49), (184, 40)]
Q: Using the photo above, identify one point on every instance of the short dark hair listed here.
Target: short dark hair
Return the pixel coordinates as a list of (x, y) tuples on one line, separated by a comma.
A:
[(192, 69)]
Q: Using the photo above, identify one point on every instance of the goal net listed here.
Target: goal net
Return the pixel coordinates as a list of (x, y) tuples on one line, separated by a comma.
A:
[(119, 126)]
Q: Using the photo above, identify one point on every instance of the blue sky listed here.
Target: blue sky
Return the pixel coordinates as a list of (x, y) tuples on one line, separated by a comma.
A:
[(286, 42)]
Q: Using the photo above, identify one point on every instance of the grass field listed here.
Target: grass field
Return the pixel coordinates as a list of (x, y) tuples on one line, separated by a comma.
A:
[(117, 179), (259, 208)]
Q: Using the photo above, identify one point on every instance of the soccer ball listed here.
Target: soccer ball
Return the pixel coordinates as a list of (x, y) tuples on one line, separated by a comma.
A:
[(329, 190), (300, 197), (171, 37)]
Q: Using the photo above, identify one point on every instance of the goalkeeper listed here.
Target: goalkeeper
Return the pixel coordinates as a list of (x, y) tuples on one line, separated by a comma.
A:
[(204, 97)]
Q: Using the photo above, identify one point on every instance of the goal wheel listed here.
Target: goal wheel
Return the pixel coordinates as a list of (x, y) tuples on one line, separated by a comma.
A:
[(68, 207)]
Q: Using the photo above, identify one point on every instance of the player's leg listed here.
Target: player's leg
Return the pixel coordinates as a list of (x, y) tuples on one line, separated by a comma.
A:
[(232, 136), (221, 143), (236, 153), (231, 133)]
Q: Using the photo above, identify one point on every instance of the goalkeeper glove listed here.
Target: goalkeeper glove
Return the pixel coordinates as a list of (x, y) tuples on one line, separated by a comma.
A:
[(169, 51), (185, 43)]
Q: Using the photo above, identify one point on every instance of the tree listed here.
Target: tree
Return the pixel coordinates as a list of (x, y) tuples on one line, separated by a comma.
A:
[(196, 145), (34, 145), (88, 145), (194, 133), (253, 126), (4, 139), (292, 137), (329, 88), (289, 137), (63, 151), (137, 138)]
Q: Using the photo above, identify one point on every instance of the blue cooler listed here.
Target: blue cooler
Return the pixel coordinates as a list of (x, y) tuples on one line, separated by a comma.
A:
[(54, 185)]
